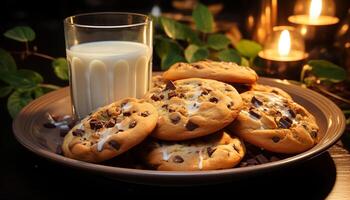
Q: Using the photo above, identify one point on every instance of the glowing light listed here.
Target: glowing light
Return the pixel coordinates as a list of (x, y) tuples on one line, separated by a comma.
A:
[(284, 43), (315, 9)]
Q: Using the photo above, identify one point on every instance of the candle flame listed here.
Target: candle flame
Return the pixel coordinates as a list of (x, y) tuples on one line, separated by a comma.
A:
[(315, 9), (284, 43)]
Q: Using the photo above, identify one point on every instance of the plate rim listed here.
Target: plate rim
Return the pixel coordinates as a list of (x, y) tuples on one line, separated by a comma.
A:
[(120, 171)]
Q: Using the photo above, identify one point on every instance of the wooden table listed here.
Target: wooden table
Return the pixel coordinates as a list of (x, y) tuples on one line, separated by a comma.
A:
[(341, 159)]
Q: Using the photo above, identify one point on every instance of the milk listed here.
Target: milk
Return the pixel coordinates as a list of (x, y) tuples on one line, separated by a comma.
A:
[(103, 72)]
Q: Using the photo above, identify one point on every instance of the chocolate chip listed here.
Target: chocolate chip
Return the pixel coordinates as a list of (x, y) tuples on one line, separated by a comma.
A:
[(126, 114), (229, 106), (275, 139), (132, 124), (171, 94), (252, 161), (292, 113), (204, 93), (178, 159), (59, 150), (49, 125), (170, 86), (313, 133), (78, 132), (171, 110), (210, 151), (95, 124), (284, 122), (145, 114), (191, 126), (256, 102), (161, 96), (110, 123), (181, 95), (275, 91), (197, 66), (278, 113), (254, 114), (114, 144), (235, 148), (213, 100), (261, 159), (155, 98), (175, 118)]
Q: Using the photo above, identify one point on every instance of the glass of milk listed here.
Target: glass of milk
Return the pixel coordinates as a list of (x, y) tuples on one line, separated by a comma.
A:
[(109, 56)]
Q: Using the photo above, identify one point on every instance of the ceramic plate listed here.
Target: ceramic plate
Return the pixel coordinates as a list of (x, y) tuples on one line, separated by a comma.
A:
[(29, 131)]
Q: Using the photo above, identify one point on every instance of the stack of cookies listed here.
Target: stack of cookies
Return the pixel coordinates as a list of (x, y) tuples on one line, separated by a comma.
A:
[(196, 120)]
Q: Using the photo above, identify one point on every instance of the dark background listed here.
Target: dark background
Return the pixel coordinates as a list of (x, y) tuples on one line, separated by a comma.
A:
[(25, 175)]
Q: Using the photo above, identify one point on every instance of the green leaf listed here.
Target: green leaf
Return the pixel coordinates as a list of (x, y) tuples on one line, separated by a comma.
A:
[(248, 48), (326, 70), (195, 53), (60, 67), (178, 31), (218, 41), (203, 18), (164, 45), (17, 100), (171, 59), (38, 92), (21, 34), (168, 51), (5, 90), (7, 63), (229, 55), (24, 79)]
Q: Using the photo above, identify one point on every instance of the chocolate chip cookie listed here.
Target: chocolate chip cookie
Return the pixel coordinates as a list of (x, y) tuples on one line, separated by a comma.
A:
[(222, 71), (270, 89), (216, 151), (158, 81), (275, 123), (110, 131), (194, 107)]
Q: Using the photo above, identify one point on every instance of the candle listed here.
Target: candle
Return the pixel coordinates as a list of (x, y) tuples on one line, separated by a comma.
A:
[(315, 20), (315, 15), (284, 45), (283, 54)]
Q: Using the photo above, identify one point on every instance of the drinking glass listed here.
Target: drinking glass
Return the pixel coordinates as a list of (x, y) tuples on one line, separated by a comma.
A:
[(109, 57)]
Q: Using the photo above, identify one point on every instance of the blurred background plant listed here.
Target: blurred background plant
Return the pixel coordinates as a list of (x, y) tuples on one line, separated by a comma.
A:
[(177, 42), (21, 86)]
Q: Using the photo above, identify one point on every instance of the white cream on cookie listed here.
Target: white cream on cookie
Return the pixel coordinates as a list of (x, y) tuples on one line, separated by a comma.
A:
[(200, 163)]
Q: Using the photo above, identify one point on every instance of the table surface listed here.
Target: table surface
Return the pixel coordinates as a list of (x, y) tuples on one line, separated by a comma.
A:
[(24, 175)]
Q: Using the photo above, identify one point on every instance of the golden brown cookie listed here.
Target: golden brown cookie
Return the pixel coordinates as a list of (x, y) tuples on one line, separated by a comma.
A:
[(110, 131), (270, 89), (275, 123), (222, 71), (216, 151), (191, 108)]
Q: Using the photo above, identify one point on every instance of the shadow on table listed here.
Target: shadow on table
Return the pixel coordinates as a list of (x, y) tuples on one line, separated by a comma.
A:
[(313, 179)]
